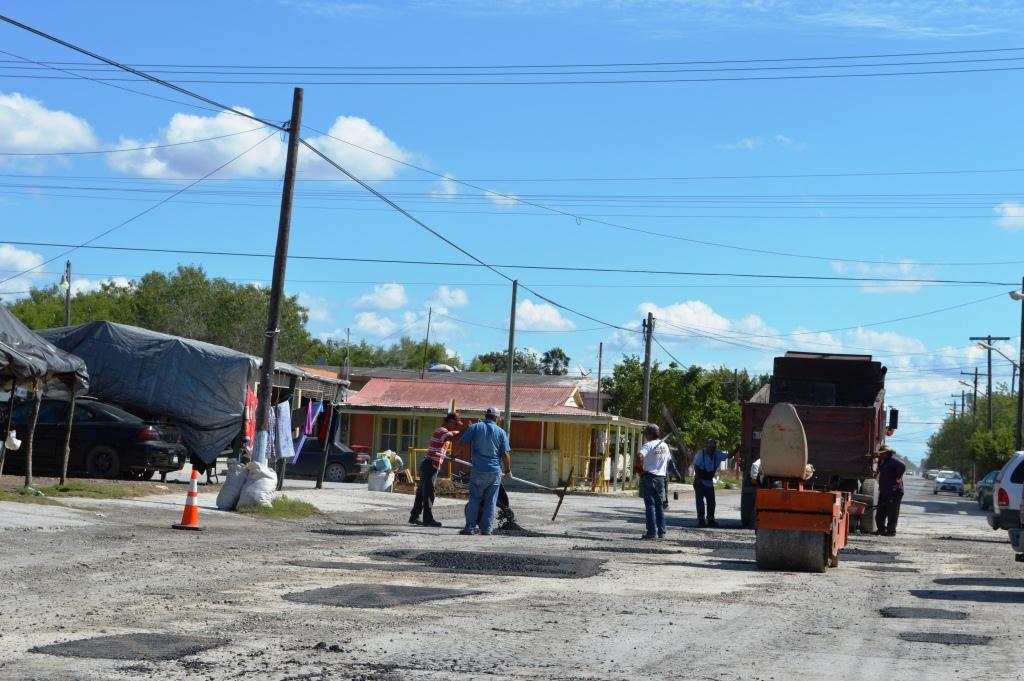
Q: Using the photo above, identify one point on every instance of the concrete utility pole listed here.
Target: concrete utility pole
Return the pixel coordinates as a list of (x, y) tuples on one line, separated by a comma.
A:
[(600, 358), (974, 403), (648, 339), (988, 341), (511, 360), (1019, 296), (284, 225), (67, 293)]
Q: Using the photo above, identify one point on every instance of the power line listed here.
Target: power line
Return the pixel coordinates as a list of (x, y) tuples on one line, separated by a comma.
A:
[(86, 244), (521, 266), (116, 151)]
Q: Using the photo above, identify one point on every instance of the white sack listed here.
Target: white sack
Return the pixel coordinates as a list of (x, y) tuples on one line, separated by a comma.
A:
[(231, 490), (260, 482)]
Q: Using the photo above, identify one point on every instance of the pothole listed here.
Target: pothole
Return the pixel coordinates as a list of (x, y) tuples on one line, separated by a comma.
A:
[(946, 639), (374, 595), (340, 532), (887, 568), (628, 549), (1009, 582), (513, 564), (132, 647), (922, 613)]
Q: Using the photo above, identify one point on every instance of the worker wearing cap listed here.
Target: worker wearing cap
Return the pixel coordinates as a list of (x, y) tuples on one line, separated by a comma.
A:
[(654, 460), (705, 466), (890, 491), (490, 456), (440, 445)]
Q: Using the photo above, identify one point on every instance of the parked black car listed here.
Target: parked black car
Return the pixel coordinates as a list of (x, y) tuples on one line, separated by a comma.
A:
[(985, 490), (106, 441), (342, 462)]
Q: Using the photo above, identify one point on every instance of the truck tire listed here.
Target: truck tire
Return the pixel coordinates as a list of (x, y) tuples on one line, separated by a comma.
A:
[(869, 495)]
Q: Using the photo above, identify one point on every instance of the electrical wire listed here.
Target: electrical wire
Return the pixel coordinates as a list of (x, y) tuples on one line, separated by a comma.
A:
[(117, 151), (87, 243)]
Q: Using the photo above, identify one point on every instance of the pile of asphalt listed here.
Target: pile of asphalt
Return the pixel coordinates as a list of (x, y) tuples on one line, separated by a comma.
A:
[(494, 563), (132, 647), (649, 550), (922, 613), (374, 595)]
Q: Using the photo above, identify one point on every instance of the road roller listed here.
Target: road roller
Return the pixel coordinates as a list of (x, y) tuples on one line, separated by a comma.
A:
[(798, 528)]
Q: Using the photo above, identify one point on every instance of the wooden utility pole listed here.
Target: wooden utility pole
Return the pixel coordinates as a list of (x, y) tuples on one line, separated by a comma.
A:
[(511, 360), (600, 358), (648, 339), (974, 402), (736, 382), (30, 440), (988, 346), (426, 342), (1017, 435), (348, 354), (277, 283)]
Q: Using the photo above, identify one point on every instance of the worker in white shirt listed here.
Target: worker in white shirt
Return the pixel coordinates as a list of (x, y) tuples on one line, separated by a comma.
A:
[(654, 461)]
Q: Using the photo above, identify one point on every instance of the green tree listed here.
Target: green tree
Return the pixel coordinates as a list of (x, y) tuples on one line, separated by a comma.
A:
[(962, 444), (555, 362), (525, 362)]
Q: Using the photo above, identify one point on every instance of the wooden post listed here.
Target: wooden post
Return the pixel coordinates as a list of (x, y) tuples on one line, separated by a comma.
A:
[(327, 449), (32, 432), (67, 438), (600, 358), (511, 361)]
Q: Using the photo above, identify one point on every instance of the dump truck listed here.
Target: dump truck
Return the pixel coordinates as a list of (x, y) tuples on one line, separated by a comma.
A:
[(840, 400)]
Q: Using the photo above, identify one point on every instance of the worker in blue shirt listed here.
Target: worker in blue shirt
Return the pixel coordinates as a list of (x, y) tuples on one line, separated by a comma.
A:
[(705, 466), (490, 447), (890, 491)]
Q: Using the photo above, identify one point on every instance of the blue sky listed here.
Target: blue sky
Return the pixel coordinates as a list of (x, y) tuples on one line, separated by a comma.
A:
[(521, 142)]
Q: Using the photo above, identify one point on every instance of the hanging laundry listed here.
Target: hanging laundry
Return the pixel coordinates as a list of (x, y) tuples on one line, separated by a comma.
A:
[(313, 411), (271, 435), (284, 447), (249, 415)]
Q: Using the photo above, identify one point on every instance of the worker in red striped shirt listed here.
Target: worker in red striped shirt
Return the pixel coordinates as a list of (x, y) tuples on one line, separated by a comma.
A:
[(440, 446)]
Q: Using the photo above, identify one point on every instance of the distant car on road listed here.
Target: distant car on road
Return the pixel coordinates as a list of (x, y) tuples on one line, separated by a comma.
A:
[(1006, 495), (931, 473), (984, 490), (948, 481), (106, 441)]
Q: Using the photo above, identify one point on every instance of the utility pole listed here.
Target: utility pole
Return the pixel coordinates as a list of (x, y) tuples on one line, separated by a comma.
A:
[(1020, 373), (284, 225), (426, 343), (66, 285), (600, 358), (511, 360), (988, 342), (963, 404), (348, 353), (736, 383), (974, 403), (648, 338)]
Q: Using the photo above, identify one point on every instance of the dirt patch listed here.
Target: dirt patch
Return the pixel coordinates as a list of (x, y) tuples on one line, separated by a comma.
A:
[(132, 647), (628, 549), (374, 595), (945, 639), (343, 532), (513, 564), (922, 613)]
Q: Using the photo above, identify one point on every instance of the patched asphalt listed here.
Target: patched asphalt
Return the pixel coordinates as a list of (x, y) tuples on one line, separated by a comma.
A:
[(133, 647), (374, 595), (494, 563)]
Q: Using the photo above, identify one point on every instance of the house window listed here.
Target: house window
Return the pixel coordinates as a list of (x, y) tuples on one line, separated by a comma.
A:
[(397, 434)]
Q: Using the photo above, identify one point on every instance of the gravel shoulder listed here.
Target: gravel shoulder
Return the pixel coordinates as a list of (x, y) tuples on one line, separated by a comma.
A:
[(361, 605)]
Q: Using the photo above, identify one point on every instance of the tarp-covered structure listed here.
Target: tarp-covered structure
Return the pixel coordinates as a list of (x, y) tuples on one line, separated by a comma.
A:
[(200, 387), (27, 359)]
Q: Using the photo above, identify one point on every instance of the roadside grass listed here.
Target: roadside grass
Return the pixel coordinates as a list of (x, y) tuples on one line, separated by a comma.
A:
[(87, 490), (23, 496), (283, 508)]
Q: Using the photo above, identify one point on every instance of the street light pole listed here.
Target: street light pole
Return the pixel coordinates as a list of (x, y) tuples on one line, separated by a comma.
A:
[(988, 346)]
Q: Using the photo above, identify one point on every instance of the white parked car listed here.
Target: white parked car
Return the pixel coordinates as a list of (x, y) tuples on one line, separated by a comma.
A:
[(948, 481), (1006, 495)]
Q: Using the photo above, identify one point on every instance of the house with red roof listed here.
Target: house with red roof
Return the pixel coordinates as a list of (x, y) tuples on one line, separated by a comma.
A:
[(552, 434)]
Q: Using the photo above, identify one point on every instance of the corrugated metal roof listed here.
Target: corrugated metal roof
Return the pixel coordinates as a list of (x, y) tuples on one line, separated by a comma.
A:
[(396, 393)]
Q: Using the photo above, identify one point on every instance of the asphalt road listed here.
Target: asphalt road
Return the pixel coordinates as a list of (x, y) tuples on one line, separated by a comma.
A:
[(359, 594)]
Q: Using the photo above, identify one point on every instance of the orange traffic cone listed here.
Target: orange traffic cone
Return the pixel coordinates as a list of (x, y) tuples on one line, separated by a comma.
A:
[(190, 517)]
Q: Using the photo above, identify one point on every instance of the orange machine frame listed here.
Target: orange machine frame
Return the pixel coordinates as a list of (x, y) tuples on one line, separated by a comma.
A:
[(792, 507)]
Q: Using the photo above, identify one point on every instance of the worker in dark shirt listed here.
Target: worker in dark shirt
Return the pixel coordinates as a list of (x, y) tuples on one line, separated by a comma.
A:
[(890, 491)]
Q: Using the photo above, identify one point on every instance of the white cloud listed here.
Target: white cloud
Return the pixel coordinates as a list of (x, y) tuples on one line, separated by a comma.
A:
[(898, 270), (1011, 215), (26, 126), (333, 9), (372, 324), (451, 297), (12, 261), (85, 285), (745, 144), (532, 316), (384, 297), (506, 200), (237, 134), (446, 187), (319, 309)]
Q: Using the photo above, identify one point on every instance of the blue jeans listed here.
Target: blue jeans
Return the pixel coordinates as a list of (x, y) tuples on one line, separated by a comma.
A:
[(652, 489), (705, 494), (483, 490)]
